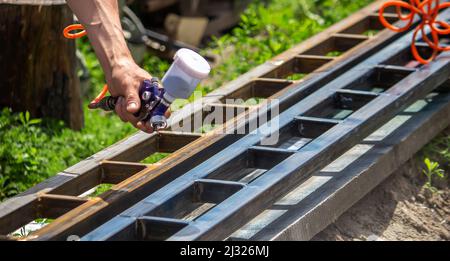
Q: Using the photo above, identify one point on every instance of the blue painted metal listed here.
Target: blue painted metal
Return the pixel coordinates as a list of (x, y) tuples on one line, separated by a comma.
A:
[(236, 210)]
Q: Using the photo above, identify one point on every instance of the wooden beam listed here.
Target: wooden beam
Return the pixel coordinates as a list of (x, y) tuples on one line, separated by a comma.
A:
[(15, 216), (258, 88), (114, 172), (52, 206), (172, 141), (337, 42)]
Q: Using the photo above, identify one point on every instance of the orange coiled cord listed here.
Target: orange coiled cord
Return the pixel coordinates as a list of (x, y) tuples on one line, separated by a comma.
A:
[(69, 35), (428, 10)]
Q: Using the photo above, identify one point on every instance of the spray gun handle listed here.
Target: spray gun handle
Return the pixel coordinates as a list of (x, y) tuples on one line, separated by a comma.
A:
[(107, 103), (148, 93)]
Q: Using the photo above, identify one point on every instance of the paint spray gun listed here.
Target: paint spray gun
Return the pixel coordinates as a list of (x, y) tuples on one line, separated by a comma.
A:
[(179, 82)]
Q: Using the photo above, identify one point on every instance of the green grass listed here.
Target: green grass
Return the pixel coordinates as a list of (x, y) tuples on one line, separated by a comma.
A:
[(436, 160), (33, 150), (155, 158), (207, 128), (333, 54), (100, 189), (254, 101), (296, 76), (371, 33), (432, 171)]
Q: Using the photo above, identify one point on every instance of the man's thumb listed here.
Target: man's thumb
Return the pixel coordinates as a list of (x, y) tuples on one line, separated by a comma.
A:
[(133, 102)]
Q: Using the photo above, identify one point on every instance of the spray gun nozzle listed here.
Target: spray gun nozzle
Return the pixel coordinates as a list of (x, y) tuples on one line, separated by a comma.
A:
[(158, 122)]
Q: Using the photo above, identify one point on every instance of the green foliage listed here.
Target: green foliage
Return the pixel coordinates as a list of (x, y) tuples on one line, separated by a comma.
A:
[(32, 150), (206, 128), (155, 157), (296, 76), (100, 189), (439, 148), (370, 33), (432, 170), (333, 54), (7, 189), (436, 158), (254, 101)]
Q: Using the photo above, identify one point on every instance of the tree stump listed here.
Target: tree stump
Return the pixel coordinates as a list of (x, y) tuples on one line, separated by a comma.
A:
[(37, 64)]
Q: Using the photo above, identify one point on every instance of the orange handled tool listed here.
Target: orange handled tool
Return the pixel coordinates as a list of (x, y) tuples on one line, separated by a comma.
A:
[(428, 10)]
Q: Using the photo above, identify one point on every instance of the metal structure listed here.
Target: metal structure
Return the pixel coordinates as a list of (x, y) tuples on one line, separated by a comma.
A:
[(213, 184)]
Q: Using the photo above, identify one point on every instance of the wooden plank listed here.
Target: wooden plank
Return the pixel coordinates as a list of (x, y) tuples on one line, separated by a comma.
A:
[(217, 113), (299, 64), (79, 184), (15, 216), (39, 205), (371, 22), (309, 63), (172, 141), (53, 206), (114, 172), (258, 88), (337, 42)]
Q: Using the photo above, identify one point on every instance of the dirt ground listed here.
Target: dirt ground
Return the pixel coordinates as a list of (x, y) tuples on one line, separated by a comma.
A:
[(399, 209)]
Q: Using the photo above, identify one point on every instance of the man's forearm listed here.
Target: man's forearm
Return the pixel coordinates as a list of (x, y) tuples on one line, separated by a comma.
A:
[(102, 22)]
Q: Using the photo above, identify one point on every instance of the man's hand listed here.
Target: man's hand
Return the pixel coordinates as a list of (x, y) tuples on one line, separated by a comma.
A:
[(125, 83), (126, 79)]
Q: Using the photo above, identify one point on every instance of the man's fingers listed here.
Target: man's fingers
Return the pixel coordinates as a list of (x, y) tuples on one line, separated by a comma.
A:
[(148, 127), (168, 113), (144, 127), (119, 109), (141, 126), (124, 115), (132, 100)]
